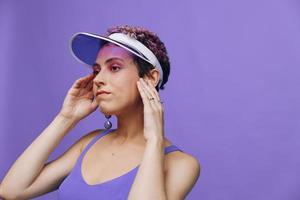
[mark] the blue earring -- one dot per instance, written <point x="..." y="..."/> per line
<point x="107" y="124"/>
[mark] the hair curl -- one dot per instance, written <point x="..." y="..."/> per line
<point x="151" y="41"/>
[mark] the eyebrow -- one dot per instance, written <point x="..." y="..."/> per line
<point x="107" y="61"/>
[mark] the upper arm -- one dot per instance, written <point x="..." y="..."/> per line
<point x="54" y="172"/>
<point x="181" y="176"/>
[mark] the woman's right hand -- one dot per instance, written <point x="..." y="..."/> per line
<point x="80" y="101"/>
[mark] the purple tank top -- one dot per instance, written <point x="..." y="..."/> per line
<point x="74" y="186"/>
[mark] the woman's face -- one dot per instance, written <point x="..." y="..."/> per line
<point x="117" y="74"/>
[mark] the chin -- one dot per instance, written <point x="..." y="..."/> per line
<point x="109" y="109"/>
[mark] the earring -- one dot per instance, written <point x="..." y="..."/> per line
<point x="107" y="124"/>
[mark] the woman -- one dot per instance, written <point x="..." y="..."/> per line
<point x="134" y="161"/>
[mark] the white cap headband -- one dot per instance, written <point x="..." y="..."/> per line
<point x="137" y="45"/>
<point x="85" y="46"/>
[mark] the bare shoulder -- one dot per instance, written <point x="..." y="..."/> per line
<point x="178" y="159"/>
<point x="182" y="171"/>
<point x="89" y="136"/>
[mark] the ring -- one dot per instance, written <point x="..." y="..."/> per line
<point x="154" y="98"/>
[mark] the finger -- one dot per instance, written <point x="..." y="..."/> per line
<point x="143" y="95"/>
<point x="156" y="94"/>
<point x="77" y="83"/>
<point x="87" y="80"/>
<point x="153" y="90"/>
<point x="90" y="95"/>
<point x="149" y="96"/>
<point x="89" y="85"/>
<point x="150" y="88"/>
<point x="80" y="82"/>
<point x="89" y="91"/>
<point x="145" y="87"/>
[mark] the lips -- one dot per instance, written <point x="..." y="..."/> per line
<point x="102" y="92"/>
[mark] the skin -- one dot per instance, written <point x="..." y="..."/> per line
<point x="120" y="77"/>
<point x="140" y="122"/>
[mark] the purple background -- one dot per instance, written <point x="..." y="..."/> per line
<point x="232" y="99"/>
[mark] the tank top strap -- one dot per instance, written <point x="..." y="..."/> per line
<point x="167" y="150"/>
<point x="171" y="148"/>
<point x="95" y="139"/>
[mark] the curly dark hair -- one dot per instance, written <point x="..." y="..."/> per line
<point x="151" y="41"/>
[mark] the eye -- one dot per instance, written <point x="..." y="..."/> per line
<point x="95" y="72"/>
<point x="115" y="67"/>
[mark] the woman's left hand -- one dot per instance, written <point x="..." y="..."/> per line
<point x="153" y="111"/>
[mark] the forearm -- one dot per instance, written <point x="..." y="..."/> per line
<point x="149" y="181"/>
<point x="29" y="164"/>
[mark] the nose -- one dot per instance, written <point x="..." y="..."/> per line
<point x="99" y="79"/>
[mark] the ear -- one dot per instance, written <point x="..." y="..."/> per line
<point x="153" y="77"/>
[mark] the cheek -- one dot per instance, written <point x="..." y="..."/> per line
<point x="128" y="93"/>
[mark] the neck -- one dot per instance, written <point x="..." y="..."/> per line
<point x="130" y="127"/>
